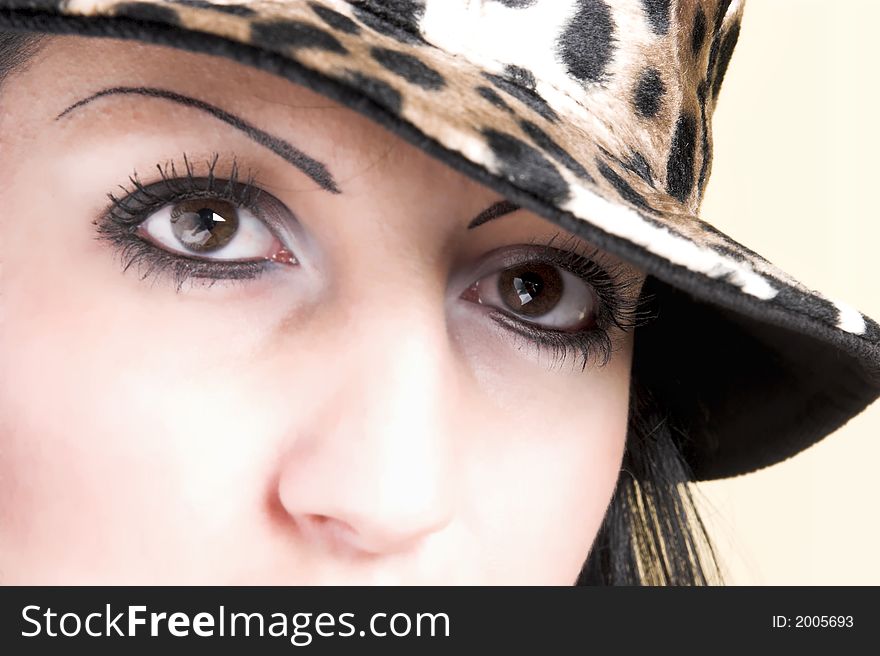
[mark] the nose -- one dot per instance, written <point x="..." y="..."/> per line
<point x="371" y="468"/>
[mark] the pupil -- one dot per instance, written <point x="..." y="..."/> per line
<point x="531" y="289"/>
<point x="527" y="287"/>
<point x="204" y="225"/>
<point x="207" y="217"/>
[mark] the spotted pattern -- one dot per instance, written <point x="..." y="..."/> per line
<point x="649" y="92"/>
<point x="518" y="4"/>
<point x="516" y="83"/>
<point x="295" y="34"/>
<point x="596" y="113"/>
<point x="409" y="67"/>
<point x="598" y="116"/>
<point x="698" y="33"/>
<point x="728" y="43"/>
<point x="147" y="11"/>
<point x="658" y="12"/>
<point x="586" y="43"/>
<point x="526" y="165"/>
<point x="335" y="19"/>
<point x="557" y="152"/>
<point x="640" y="166"/>
<point x="622" y="187"/>
<point x="682" y="155"/>
<point x="492" y="96"/>
<point x="234" y="9"/>
<point x="398" y="19"/>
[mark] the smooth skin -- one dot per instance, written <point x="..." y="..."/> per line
<point x="350" y="419"/>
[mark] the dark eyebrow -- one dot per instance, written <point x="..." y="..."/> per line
<point x="308" y="165"/>
<point x="499" y="209"/>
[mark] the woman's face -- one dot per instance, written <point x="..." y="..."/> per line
<point x="332" y="381"/>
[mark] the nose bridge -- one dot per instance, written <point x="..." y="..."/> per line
<point x="396" y="387"/>
<point x="382" y="443"/>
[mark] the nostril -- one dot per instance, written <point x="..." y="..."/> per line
<point x="320" y="520"/>
<point x="328" y="532"/>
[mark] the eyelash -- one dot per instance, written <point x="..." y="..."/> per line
<point x="120" y="220"/>
<point x="618" y="307"/>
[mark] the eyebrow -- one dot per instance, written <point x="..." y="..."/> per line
<point x="499" y="209"/>
<point x="314" y="169"/>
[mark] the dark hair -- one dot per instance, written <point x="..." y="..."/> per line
<point x="16" y="48"/>
<point x="651" y="533"/>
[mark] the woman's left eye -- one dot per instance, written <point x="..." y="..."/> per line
<point x="211" y="229"/>
<point x="539" y="293"/>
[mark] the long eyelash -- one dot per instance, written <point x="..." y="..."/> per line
<point x="121" y="218"/>
<point x="182" y="188"/>
<point x="619" y="306"/>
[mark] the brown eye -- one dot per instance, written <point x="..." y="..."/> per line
<point x="531" y="289"/>
<point x="541" y="293"/>
<point x="204" y="225"/>
<point x="212" y="229"/>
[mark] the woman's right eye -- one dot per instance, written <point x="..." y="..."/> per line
<point x="559" y="298"/>
<point x="539" y="293"/>
<point x="211" y="229"/>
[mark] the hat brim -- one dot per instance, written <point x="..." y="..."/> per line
<point x="753" y="365"/>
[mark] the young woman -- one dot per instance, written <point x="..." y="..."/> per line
<point x="277" y="310"/>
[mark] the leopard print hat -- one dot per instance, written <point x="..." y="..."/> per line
<point x="596" y="115"/>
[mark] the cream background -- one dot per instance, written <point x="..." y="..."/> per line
<point x="797" y="155"/>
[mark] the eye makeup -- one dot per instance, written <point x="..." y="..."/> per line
<point x="612" y="306"/>
<point x="617" y="308"/>
<point x="120" y="222"/>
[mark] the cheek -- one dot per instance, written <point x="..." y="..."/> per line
<point x="553" y="442"/>
<point x="551" y="483"/>
<point x="114" y="429"/>
<point x="108" y="439"/>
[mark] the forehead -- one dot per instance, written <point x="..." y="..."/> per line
<point x="70" y="68"/>
<point x="90" y="60"/>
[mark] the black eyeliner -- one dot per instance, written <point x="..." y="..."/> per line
<point x="308" y="165"/>
<point x="618" y="306"/>
<point x="119" y="222"/>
